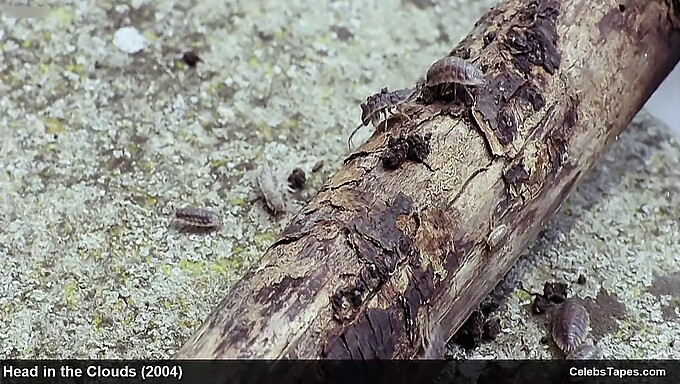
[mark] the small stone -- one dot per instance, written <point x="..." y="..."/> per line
<point x="129" y="40"/>
<point x="297" y="179"/>
<point x="581" y="279"/>
<point x="191" y="58"/>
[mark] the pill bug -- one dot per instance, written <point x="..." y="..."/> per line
<point x="587" y="351"/>
<point x="270" y="190"/>
<point x="379" y="106"/>
<point x="570" y="326"/>
<point x="192" y="218"/>
<point x="453" y="70"/>
<point x="496" y="236"/>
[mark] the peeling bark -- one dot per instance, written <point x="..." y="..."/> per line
<point x="423" y="220"/>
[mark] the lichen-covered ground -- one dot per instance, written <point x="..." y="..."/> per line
<point x="98" y="147"/>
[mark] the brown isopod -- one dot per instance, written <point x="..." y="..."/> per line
<point x="570" y="326"/>
<point x="587" y="351"/>
<point x="379" y="106"/>
<point x="453" y="70"/>
<point x="197" y="219"/>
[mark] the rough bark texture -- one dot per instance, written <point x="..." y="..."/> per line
<point x="423" y="221"/>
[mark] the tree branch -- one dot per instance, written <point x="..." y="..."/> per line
<point x="383" y="259"/>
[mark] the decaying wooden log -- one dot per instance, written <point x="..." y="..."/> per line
<point x="423" y="220"/>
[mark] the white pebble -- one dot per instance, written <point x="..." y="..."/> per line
<point x="129" y="40"/>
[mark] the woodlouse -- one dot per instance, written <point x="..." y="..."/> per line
<point x="496" y="236"/>
<point x="453" y="70"/>
<point x="197" y="219"/>
<point x="570" y="326"/>
<point x="587" y="351"/>
<point x="379" y="106"/>
<point x="270" y="190"/>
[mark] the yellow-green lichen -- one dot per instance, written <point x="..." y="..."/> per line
<point x="63" y="15"/>
<point x="97" y="323"/>
<point x="71" y="295"/>
<point x="192" y="267"/>
<point x="54" y="126"/>
<point x="166" y="269"/>
<point x="239" y="201"/>
<point x="264" y="239"/>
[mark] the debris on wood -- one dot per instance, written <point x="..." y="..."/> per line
<point x="413" y="147"/>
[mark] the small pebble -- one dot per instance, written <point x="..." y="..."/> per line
<point x="129" y="40"/>
<point x="191" y="58"/>
<point x="581" y="279"/>
<point x="297" y="179"/>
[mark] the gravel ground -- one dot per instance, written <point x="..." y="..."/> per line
<point x="105" y="134"/>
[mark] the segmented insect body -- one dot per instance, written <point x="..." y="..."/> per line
<point x="271" y="190"/>
<point x="570" y="326"/>
<point x="379" y="106"/>
<point x="587" y="351"/>
<point x="496" y="236"/>
<point x="197" y="218"/>
<point x="453" y="70"/>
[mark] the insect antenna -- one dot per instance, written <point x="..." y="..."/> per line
<point x="349" y="141"/>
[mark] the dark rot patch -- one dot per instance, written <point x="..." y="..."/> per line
<point x="533" y="95"/>
<point x="297" y="179"/>
<point x="516" y="176"/>
<point x="534" y="42"/>
<point x="507" y="128"/>
<point x="414" y="148"/>
<point x="561" y="136"/>
<point x="417" y="294"/>
<point x="346" y="302"/>
<point x="489" y="37"/>
<point x="378" y="241"/>
<point x="372" y="337"/>
<point x="492" y="102"/>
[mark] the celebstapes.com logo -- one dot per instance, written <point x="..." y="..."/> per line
<point x="22" y="9"/>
